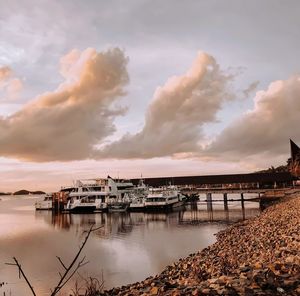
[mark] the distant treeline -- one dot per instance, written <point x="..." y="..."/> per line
<point x="279" y="169"/>
<point x="22" y="192"/>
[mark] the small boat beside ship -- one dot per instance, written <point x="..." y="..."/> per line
<point x="118" y="206"/>
<point x="137" y="204"/>
<point x="45" y="204"/>
<point x="138" y="197"/>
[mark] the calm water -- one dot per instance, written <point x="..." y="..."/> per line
<point x="129" y="248"/>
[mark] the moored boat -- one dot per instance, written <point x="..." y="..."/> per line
<point x="164" y="198"/>
<point x="137" y="204"/>
<point x="98" y="195"/>
<point x="138" y="197"/>
<point x="118" y="206"/>
<point x="45" y="204"/>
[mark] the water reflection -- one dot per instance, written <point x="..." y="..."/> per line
<point x="129" y="247"/>
<point x="123" y="223"/>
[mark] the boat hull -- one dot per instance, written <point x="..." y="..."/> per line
<point x="43" y="206"/>
<point x="118" y="207"/>
<point x="82" y="209"/>
<point x="136" y="208"/>
<point x="163" y="207"/>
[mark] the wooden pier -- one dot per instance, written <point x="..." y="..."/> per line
<point x="264" y="196"/>
<point x="59" y="200"/>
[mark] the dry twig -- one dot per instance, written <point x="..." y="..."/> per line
<point x="21" y="272"/>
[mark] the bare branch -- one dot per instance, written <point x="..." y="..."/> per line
<point x="61" y="262"/>
<point x="66" y="277"/>
<point x="80" y="264"/>
<point x="21" y="272"/>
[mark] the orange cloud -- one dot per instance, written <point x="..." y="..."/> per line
<point x="177" y="113"/>
<point x="10" y="86"/>
<point x="264" y="132"/>
<point x="65" y="124"/>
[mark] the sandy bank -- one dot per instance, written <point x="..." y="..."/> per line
<point x="260" y="256"/>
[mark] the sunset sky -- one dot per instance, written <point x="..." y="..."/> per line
<point x="158" y="88"/>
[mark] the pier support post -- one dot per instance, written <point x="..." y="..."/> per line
<point x="225" y="202"/>
<point x="209" y="201"/>
<point x="242" y="201"/>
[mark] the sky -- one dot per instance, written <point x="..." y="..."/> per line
<point x="140" y="87"/>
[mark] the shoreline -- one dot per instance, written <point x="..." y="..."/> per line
<point x="257" y="256"/>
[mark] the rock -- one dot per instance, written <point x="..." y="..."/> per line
<point x="154" y="291"/>
<point x="245" y="269"/>
<point x="280" y="290"/>
<point x="249" y="292"/>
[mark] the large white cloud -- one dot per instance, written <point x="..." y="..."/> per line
<point x="263" y="132"/>
<point x="66" y="124"/>
<point x="177" y="113"/>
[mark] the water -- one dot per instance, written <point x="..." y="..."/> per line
<point x="129" y="247"/>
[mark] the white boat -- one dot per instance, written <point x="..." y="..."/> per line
<point x="96" y="194"/>
<point x="45" y="204"/>
<point x="138" y="197"/>
<point x="118" y="206"/>
<point x="137" y="204"/>
<point x="164" y="198"/>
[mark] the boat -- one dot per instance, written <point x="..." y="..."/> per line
<point x="87" y="196"/>
<point x="118" y="206"/>
<point x="97" y="195"/>
<point x="137" y="204"/>
<point x="164" y="198"/>
<point x="138" y="197"/>
<point x="45" y="204"/>
<point x="119" y="202"/>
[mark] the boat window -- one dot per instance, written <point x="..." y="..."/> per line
<point x="88" y="199"/>
<point x="156" y="199"/>
<point x="124" y="187"/>
<point x="67" y="189"/>
<point x="98" y="188"/>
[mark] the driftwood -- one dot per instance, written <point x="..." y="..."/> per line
<point x="69" y="271"/>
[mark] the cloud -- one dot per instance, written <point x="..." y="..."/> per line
<point x="177" y="113"/>
<point x="5" y="72"/>
<point x="10" y="85"/>
<point x="67" y="123"/>
<point x="251" y="88"/>
<point x="263" y="132"/>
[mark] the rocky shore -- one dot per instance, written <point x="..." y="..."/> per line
<point x="260" y="256"/>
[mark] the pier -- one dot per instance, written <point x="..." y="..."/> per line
<point x="266" y="186"/>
